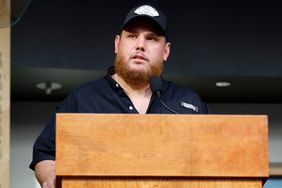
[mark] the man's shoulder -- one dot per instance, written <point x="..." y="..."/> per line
<point x="81" y="96"/>
<point x="173" y="87"/>
<point x="183" y="98"/>
<point x="90" y="89"/>
<point x="99" y="83"/>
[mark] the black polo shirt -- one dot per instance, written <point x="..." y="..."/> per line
<point x="106" y="96"/>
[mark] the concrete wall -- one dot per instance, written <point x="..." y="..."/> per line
<point x="5" y="36"/>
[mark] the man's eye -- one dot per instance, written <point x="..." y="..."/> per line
<point x="152" y="38"/>
<point x="131" y="36"/>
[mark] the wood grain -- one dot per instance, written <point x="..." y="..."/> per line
<point x="162" y="145"/>
<point x="159" y="183"/>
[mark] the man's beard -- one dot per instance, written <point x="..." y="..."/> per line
<point x="137" y="79"/>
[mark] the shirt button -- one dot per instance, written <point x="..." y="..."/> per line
<point x="130" y="107"/>
<point x="117" y="85"/>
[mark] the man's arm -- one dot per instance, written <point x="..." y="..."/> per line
<point x="45" y="173"/>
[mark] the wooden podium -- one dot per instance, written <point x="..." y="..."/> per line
<point x="161" y="151"/>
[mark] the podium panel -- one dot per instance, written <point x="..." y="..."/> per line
<point x="100" y="150"/>
<point x="159" y="183"/>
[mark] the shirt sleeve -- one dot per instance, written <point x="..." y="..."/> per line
<point x="44" y="146"/>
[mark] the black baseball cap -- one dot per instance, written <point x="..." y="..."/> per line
<point x="150" y="12"/>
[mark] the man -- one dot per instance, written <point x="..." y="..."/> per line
<point x="141" y="50"/>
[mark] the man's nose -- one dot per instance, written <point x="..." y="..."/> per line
<point x="140" y="43"/>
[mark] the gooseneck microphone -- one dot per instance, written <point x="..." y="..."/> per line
<point x="156" y="84"/>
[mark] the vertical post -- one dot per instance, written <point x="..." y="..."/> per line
<point x="4" y="92"/>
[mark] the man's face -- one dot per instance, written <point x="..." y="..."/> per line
<point x="140" y="53"/>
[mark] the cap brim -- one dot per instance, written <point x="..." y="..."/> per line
<point x="134" y="18"/>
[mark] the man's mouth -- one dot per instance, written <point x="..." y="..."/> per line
<point x="139" y="56"/>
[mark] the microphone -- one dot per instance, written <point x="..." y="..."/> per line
<point x="156" y="85"/>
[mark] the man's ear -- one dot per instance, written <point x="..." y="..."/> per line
<point x="166" y="51"/>
<point x="117" y="40"/>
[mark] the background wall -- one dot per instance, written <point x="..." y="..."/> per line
<point x="28" y="119"/>
<point x="70" y="42"/>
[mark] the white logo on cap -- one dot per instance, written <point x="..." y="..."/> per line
<point x="147" y="10"/>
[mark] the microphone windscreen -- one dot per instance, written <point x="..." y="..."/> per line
<point x="156" y="84"/>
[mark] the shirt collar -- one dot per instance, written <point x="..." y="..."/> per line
<point x="114" y="85"/>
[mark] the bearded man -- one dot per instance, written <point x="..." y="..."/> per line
<point x="141" y="50"/>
